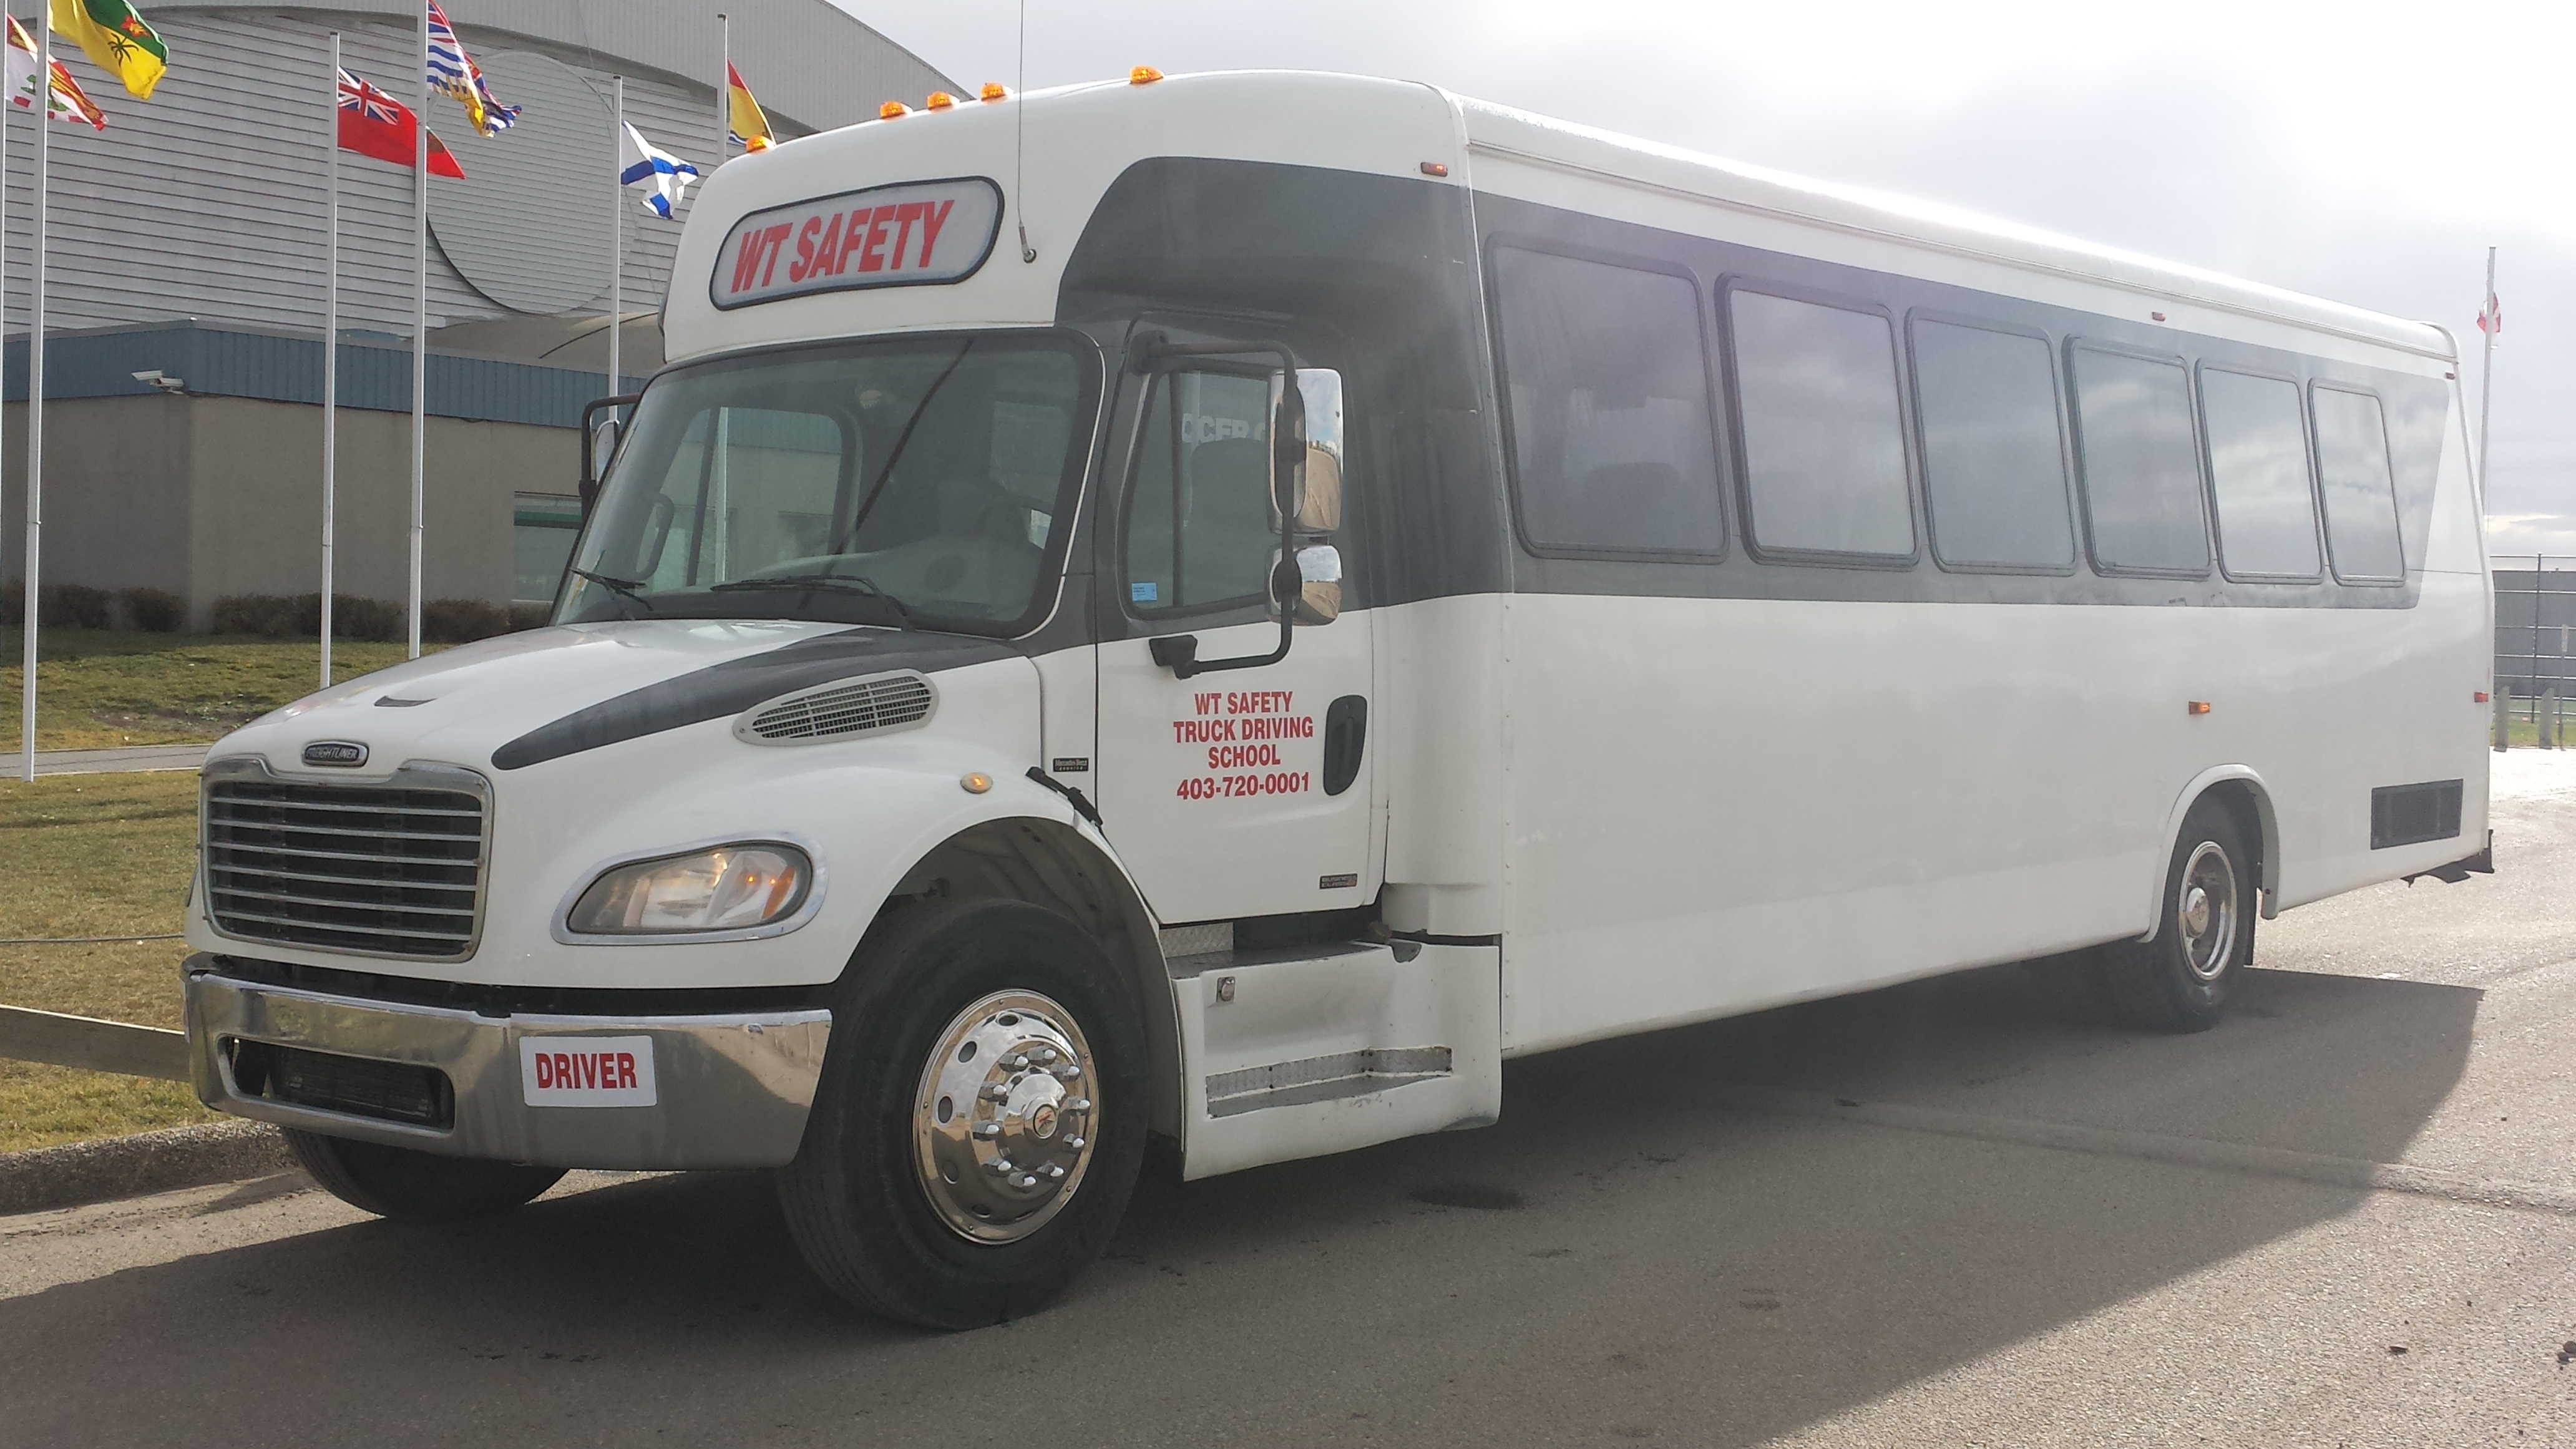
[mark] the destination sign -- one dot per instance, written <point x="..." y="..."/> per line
<point x="913" y="234"/>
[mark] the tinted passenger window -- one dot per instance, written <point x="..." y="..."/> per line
<point x="1608" y="403"/>
<point x="1199" y="529"/>
<point x="2361" y="503"/>
<point x="2258" y="469"/>
<point x="2140" y="469"/>
<point x="1994" y="464"/>
<point x="1824" y="451"/>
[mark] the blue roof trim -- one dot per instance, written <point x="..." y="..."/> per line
<point x="218" y="362"/>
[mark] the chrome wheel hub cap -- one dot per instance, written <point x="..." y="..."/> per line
<point x="1002" y="1126"/>
<point x="2206" y="911"/>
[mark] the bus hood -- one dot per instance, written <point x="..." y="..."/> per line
<point x="524" y="699"/>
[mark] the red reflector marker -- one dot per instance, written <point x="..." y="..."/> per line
<point x="1435" y="168"/>
<point x="2480" y="696"/>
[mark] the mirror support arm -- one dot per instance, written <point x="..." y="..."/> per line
<point x="589" y="480"/>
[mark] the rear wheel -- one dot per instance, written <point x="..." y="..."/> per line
<point x="980" y="1121"/>
<point x="2182" y="980"/>
<point x="397" y="1182"/>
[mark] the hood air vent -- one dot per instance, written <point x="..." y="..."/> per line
<point x="838" y="711"/>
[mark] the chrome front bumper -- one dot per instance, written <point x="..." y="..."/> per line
<point x="732" y="1091"/>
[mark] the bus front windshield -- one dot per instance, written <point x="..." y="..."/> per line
<point x="907" y="481"/>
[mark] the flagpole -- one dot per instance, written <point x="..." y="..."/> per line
<point x="2486" y="367"/>
<point x="330" y="344"/>
<point x="419" y="322"/>
<point x="616" y="238"/>
<point x="36" y="404"/>
<point x="724" y="87"/>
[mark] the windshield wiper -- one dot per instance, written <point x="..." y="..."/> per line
<point x="630" y="590"/>
<point x="846" y="583"/>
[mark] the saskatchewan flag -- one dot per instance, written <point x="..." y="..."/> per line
<point x="115" y="37"/>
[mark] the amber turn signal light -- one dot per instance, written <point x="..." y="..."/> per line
<point x="892" y="109"/>
<point x="976" y="783"/>
<point x="2197" y="706"/>
<point x="1435" y="168"/>
<point x="1143" y="75"/>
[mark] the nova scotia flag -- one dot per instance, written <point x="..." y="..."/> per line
<point x="663" y="175"/>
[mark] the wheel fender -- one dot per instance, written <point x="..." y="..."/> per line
<point x="2269" y="846"/>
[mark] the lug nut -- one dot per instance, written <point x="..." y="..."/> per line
<point x="1077" y="1104"/>
<point x="1067" y="1072"/>
<point x="988" y="1130"/>
<point x="1073" y="1144"/>
<point x="1000" y="1167"/>
<point x="995" y="1092"/>
<point x="1055" y="1171"/>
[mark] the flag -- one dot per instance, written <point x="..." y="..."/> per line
<point x="67" y="102"/>
<point x="376" y="125"/>
<point x="2491" y="317"/>
<point x="453" y="73"/>
<point x="116" y="38"/>
<point x="743" y="120"/>
<point x="663" y="175"/>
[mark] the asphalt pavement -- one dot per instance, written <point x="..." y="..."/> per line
<point x="1961" y="1212"/>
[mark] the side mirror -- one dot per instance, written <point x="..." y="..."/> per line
<point x="599" y="439"/>
<point x="1319" y="584"/>
<point x="1319" y="505"/>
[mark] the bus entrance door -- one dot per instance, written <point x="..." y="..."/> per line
<point x="1238" y="792"/>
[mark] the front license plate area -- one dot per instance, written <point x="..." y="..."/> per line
<point x="586" y="1071"/>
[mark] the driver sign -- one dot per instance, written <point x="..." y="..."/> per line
<point x="917" y="233"/>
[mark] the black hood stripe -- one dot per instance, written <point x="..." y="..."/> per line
<point x="737" y="684"/>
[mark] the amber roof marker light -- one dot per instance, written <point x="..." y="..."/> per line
<point x="1143" y="75"/>
<point x="939" y="101"/>
<point x="993" y="91"/>
<point x="893" y="109"/>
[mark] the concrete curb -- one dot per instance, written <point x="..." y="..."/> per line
<point x="147" y="1162"/>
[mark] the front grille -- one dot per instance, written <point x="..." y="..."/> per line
<point x="355" y="1086"/>
<point x="387" y="870"/>
<point x="842" y="709"/>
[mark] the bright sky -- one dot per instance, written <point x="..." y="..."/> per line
<point x="2367" y="152"/>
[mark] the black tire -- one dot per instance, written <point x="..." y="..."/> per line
<point x="2183" y="980"/>
<point x="397" y="1182"/>
<point x="855" y="1199"/>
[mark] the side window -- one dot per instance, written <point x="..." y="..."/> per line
<point x="2361" y="499"/>
<point x="2258" y="473"/>
<point x="2139" y="463"/>
<point x="1606" y="378"/>
<point x="1199" y="530"/>
<point x="1994" y="457"/>
<point x="1824" y="445"/>
<point x="543" y="527"/>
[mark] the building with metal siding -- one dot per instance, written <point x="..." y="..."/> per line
<point x="188" y="238"/>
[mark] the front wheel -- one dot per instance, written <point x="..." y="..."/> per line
<point x="397" y="1182"/>
<point x="2182" y="980"/>
<point x="980" y="1120"/>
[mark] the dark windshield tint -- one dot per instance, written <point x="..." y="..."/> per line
<point x="919" y="479"/>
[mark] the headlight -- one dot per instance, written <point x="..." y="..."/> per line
<point x="729" y="888"/>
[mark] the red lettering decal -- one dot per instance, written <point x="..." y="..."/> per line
<point x="746" y="259"/>
<point x="626" y="1069"/>
<point x="563" y="1069"/>
<point x="545" y="1071"/>
<point x="769" y="241"/>
<point x="932" y="219"/>
<point x="872" y="255"/>
<point x="804" y="262"/>
<point x="904" y="216"/>
<point x="827" y="252"/>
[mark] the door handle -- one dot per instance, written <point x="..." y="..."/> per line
<point x="1345" y="742"/>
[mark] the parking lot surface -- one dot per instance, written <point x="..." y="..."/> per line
<point x="1962" y="1212"/>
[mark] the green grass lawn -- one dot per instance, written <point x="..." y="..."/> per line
<point x="100" y="688"/>
<point x="94" y="855"/>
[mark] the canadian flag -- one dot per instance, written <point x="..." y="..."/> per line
<point x="2491" y="317"/>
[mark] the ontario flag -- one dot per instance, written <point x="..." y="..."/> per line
<point x="377" y="126"/>
<point x="68" y="102"/>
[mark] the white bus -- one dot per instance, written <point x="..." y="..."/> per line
<point x="1222" y="609"/>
